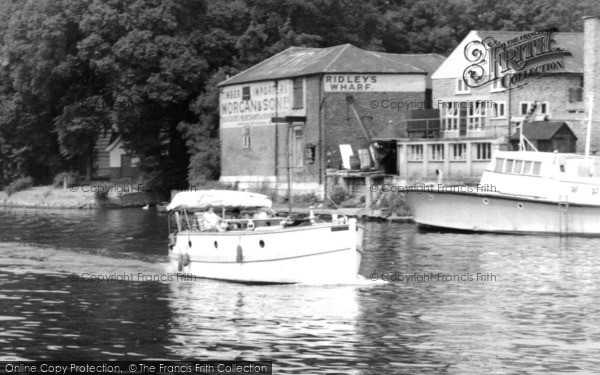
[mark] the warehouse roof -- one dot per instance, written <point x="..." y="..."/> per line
<point x="342" y="59"/>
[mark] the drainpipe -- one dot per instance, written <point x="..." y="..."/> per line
<point x="277" y="137"/>
<point x="322" y="179"/>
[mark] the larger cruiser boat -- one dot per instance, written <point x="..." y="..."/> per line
<point x="519" y="192"/>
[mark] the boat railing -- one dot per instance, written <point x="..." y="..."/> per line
<point x="245" y="224"/>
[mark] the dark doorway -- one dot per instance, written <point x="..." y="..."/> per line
<point x="388" y="157"/>
<point x="126" y="171"/>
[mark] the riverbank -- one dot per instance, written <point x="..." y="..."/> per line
<point x="387" y="207"/>
<point x="51" y="197"/>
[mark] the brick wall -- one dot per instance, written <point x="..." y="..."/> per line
<point x="257" y="160"/>
<point x="264" y="165"/>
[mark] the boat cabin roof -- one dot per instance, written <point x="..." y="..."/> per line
<point x="228" y="199"/>
<point x="548" y="164"/>
<point x="541" y="156"/>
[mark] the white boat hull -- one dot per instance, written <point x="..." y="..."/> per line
<point x="502" y="213"/>
<point x="314" y="253"/>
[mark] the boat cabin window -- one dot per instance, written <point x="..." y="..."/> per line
<point x="509" y="166"/>
<point x="499" y="165"/>
<point x="526" y="167"/>
<point x="518" y="167"/>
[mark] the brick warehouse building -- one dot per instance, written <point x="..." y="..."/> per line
<point x="470" y="134"/>
<point x="309" y="92"/>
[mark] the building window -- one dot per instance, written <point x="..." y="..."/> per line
<point x="499" y="109"/>
<point x="246" y="93"/>
<point x="297" y="148"/>
<point x="542" y="109"/>
<point x="497" y="85"/>
<point x="461" y="87"/>
<point x="575" y="95"/>
<point x="476" y="115"/>
<point x="483" y="151"/>
<point x="246" y="137"/>
<point x="415" y="152"/>
<point x="298" y="93"/>
<point x="436" y="152"/>
<point x="450" y="116"/>
<point x="524" y="108"/>
<point x="459" y="151"/>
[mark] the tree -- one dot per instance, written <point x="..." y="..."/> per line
<point x="78" y="128"/>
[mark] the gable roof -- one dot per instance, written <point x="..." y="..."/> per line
<point x="345" y="58"/>
<point x="115" y="142"/>
<point x="540" y="130"/>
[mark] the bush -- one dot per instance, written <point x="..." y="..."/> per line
<point x="19" y="184"/>
<point x="338" y="194"/>
<point x="70" y="176"/>
<point x="394" y="203"/>
<point x="101" y="192"/>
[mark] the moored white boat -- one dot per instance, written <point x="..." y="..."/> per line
<point x="262" y="250"/>
<point x="519" y="192"/>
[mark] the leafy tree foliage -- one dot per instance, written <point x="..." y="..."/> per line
<point x="71" y="70"/>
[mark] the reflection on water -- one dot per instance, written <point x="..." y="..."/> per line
<point x="539" y="313"/>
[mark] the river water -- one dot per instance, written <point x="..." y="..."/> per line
<point x="450" y="303"/>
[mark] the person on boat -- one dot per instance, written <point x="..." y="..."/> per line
<point x="235" y="213"/>
<point x="211" y="221"/>
<point x="262" y="214"/>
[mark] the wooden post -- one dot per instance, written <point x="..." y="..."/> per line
<point x="368" y="193"/>
<point x="289" y="168"/>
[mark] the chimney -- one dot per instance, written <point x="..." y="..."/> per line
<point x="591" y="63"/>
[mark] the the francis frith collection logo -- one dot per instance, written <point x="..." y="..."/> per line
<point x="514" y="61"/>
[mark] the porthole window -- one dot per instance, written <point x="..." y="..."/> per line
<point x="486" y="201"/>
<point x="190" y="243"/>
<point x="520" y="206"/>
<point x="261" y="243"/>
<point x="216" y="245"/>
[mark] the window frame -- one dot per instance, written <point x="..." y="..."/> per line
<point x="415" y="153"/>
<point x="461" y="87"/>
<point x="298" y="93"/>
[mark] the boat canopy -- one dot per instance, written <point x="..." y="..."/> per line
<point x="201" y="200"/>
